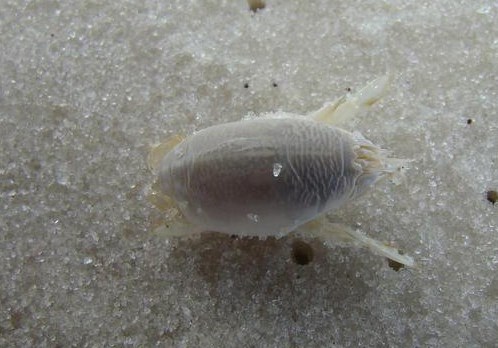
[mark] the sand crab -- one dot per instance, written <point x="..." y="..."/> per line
<point x="272" y="175"/>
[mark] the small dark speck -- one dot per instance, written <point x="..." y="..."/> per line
<point x="52" y="35"/>
<point x="348" y="89"/>
<point x="35" y="165"/>
<point x="470" y="121"/>
<point x="275" y="84"/>
<point x="246" y="85"/>
<point x="492" y="196"/>
<point x="395" y="265"/>
<point x="255" y="5"/>
<point x="302" y="253"/>
<point x="16" y="318"/>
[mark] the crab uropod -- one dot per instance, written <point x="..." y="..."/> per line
<point x="272" y="175"/>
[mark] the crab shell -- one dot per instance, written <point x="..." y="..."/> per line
<point x="266" y="176"/>
<point x="269" y="176"/>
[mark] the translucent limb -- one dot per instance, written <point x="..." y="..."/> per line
<point x="347" y="107"/>
<point x="174" y="223"/>
<point x="340" y="233"/>
<point x="375" y="164"/>
<point x="157" y="152"/>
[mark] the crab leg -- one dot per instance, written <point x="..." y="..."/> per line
<point x="347" y="107"/>
<point x="337" y="233"/>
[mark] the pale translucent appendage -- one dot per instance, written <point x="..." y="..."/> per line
<point x="340" y="233"/>
<point x="375" y="164"/>
<point x="347" y="107"/>
<point x="174" y="224"/>
<point x="157" y="152"/>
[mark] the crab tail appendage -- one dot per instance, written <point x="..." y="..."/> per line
<point x="376" y="164"/>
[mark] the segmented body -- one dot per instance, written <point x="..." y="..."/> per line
<point x="262" y="177"/>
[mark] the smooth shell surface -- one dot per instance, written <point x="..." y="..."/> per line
<point x="262" y="177"/>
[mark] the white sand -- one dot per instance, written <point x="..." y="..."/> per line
<point x="86" y="88"/>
